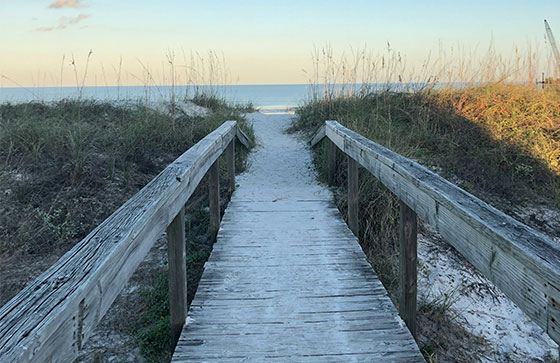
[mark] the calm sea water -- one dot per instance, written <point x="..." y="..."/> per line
<point x="266" y="96"/>
<point x="262" y="96"/>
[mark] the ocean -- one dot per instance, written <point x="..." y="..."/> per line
<point x="271" y="97"/>
<point x="261" y="96"/>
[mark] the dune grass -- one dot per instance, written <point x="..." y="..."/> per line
<point x="63" y="171"/>
<point x="468" y="121"/>
<point x="66" y="166"/>
<point x="505" y="153"/>
<point x="500" y="142"/>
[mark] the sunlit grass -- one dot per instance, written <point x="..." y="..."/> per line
<point x="482" y="123"/>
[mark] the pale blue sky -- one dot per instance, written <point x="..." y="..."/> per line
<point x="262" y="41"/>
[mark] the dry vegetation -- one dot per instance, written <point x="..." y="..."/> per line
<point x="68" y="165"/>
<point x="469" y="122"/>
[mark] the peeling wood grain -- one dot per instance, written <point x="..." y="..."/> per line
<point x="230" y="161"/>
<point x="331" y="159"/>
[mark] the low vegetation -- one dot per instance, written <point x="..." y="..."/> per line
<point x="66" y="166"/>
<point x="498" y="141"/>
<point x="216" y="103"/>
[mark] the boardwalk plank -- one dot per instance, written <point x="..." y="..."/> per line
<point x="287" y="280"/>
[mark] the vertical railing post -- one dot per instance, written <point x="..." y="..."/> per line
<point x="214" y="199"/>
<point x="407" y="272"/>
<point x="230" y="156"/>
<point x="331" y="156"/>
<point x="353" y="195"/>
<point x="177" y="274"/>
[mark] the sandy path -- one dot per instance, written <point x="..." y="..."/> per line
<point x="280" y="168"/>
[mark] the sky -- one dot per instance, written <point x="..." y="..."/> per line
<point x="48" y="42"/>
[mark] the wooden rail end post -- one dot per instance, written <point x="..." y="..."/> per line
<point x="407" y="272"/>
<point x="331" y="156"/>
<point x="177" y="275"/>
<point x="214" y="197"/>
<point x="353" y="195"/>
<point x="230" y="155"/>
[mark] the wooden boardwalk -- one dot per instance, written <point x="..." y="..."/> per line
<point x="287" y="280"/>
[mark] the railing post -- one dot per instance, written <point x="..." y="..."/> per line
<point x="407" y="270"/>
<point x="353" y="195"/>
<point x="230" y="156"/>
<point x="331" y="155"/>
<point x="177" y="275"/>
<point x="214" y="198"/>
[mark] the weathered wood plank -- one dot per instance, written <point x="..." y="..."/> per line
<point x="408" y="247"/>
<point x="214" y="199"/>
<point x="318" y="136"/>
<point x="353" y="196"/>
<point x="276" y="296"/>
<point x="176" y="246"/>
<point x="244" y="139"/>
<point x="230" y="160"/>
<point x="50" y="319"/>
<point x="287" y="280"/>
<point x="523" y="263"/>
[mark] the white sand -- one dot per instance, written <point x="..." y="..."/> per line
<point x="484" y="310"/>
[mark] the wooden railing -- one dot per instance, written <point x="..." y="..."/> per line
<point x="51" y="318"/>
<point x="520" y="261"/>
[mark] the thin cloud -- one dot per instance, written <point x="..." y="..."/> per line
<point x="66" y="4"/>
<point x="74" y="20"/>
<point x="63" y="23"/>
<point x="50" y="28"/>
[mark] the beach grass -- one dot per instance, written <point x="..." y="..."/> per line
<point x="471" y="123"/>
<point x="66" y="166"/>
<point x="56" y="159"/>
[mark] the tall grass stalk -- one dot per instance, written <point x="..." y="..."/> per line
<point x="480" y="121"/>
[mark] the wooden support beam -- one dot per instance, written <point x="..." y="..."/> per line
<point x="177" y="275"/>
<point x="353" y="196"/>
<point x="318" y="136"/>
<point x="230" y="156"/>
<point x="243" y="139"/>
<point x="214" y="199"/>
<point x="407" y="272"/>
<point x="331" y="155"/>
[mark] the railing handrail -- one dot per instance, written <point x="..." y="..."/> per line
<point x="522" y="262"/>
<point x="51" y="318"/>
